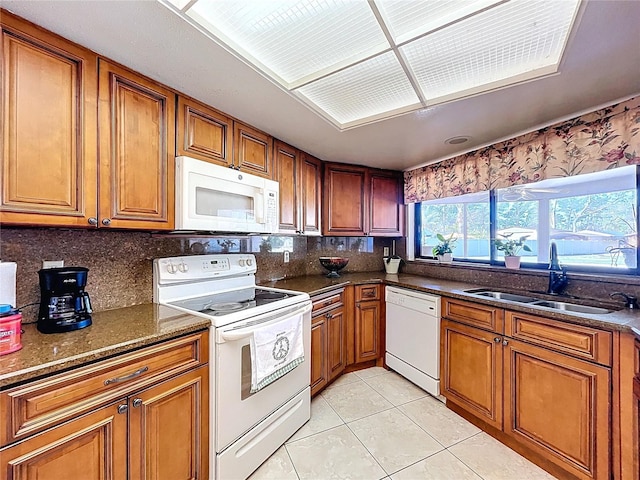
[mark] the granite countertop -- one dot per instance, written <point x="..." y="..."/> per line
<point x="624" y="320"/>
<point x="112" y="332"/>
<point x="126" y="329"/>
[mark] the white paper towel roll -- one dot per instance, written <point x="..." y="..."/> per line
<point x="8" y="283"/>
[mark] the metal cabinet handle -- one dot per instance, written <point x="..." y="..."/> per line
<point x="369" y="293"/>
<point x="137" y="402"/>
<point x="106" y="222"/>
<point x="505" y="342"/>
<point x="497" y="339"/>
<point x="135" y="374"/>
<point x="123" y="408"/>
<point x="92" y="221"/>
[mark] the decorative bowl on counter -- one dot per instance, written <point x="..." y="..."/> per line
<point x="334" y="265"/>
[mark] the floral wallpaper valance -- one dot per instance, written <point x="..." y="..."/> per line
<point x="601" y="140"/>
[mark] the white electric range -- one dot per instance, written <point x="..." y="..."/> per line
<point x="246" y="428"/>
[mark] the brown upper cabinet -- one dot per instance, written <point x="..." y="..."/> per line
<point x="252" y="150"/>
<point x="49" y="146"/>
<point x="58" y="97"/>
<point x="137" y="138"/>
<point x="386" y="215"/>
<point x="299" y="176"/>
<point x="362" y="201"/>
<point x="204" y="133"/>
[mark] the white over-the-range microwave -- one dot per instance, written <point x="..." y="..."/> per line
<point x="219" y="199"/>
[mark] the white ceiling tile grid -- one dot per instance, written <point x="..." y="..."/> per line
<point x="337" y="57"/>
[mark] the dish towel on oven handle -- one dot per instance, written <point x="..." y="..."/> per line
<point x="276" y="350"/>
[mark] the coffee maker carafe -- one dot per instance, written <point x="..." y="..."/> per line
<point x="64" y="305"/>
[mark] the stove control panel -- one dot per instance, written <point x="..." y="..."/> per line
<point x="196" y="267"/>
<point x="217" y="265"/>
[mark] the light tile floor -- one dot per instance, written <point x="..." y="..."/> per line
<point x="374" y="424"/>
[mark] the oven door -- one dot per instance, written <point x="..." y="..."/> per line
<point x="237" y="409"/>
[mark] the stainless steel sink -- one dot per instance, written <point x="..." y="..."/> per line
<point x="571" y="307"/>
<point x="508" y="296"/>
<point x="539" y="302"/>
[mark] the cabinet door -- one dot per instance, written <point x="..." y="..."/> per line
<point x="386" y="218"/>
<point x="319" y="377"/>
<point x="367" y="331"/>
<point x="168" y="429"/>
<point x="345" y="200"/>
<point x="49" y="145"/>
<point x="558" y="406"/>
<point x="203" y="133"/>
<point x="310" y="202"/>
<point x="286" y="168"/>
<point x="137" y="145"/>
<point x="636" y="420"/>
<point x="336" y="355"/>
<point x="252" y="150"/>
<point x="471" y="370"/>
<point x="91" y="447"/>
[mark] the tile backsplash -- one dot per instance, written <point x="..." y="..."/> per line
<point x="120" y="262"/>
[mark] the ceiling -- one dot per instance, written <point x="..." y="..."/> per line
<point x="601" y="65"/>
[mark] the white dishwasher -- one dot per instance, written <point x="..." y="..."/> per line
<point x="413" y="336"/>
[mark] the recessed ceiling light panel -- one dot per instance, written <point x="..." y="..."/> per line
<point x="358" y="61"/>
<point x="363" y="91"/>
<point x="407" y="20"/>
<point x="492" y="48"/>
<point x="294" y="39"/>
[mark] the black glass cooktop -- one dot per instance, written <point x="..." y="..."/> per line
<point x="224" y="303"/>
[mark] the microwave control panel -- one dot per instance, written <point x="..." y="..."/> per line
<point x="272" y="208"/>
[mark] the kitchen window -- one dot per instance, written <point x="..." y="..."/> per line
<point x="465" y="216"/>
<point x="591" y="218"/>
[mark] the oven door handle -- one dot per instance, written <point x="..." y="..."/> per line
<point x="234" y="335"/>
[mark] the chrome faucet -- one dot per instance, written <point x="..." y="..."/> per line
<point x="557" y="275"/>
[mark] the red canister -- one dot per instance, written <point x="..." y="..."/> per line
<point x="10" y="328"/>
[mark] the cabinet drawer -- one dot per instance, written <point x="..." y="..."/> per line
<point x="475" y="314"/>
<point x="577" y="340"/>
<point x="328" y="300"/>
<point x="368" y="292"/>
<point x="636" y="359"/>
<point x="41" y="404"/>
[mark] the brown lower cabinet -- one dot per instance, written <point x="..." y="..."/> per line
<point x="636" y="406"/>
<point x="558" y="406"/>
<point x="328" y="353"/>
<point x="347" y="332"/>
<point x="151" y="425"/>
<point x="543" y="384"/>
<point x="635" y="421"/>
<point x="472" y="370"/>
<point x="368" y="323"/>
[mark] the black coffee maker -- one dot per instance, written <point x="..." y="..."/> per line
<point x="64" y="305"/>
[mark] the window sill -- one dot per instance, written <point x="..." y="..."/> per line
<point x="532" y="272"/>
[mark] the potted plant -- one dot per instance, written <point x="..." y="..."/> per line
<point x="444" y="249"/>
<point x="265" y="245"/>
<point x="511" y="248"/>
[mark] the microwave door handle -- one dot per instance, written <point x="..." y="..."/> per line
<point x="234" y="335"/>
<point x="259" y="205"/>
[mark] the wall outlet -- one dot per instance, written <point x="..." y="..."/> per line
<point x="52" y="264"/>
<point x="385" y="251"/>
<point x="286" y="256"/>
